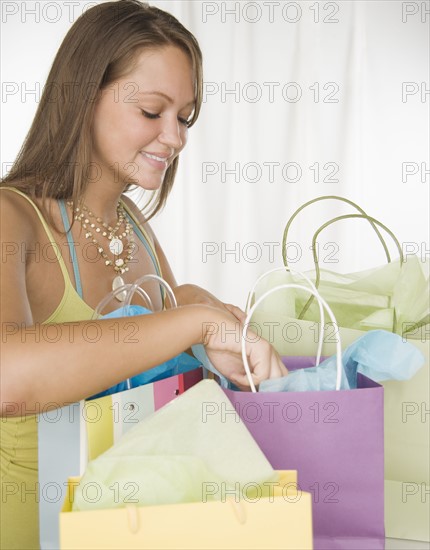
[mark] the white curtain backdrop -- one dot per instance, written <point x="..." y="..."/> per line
<point x="302" y="99"/>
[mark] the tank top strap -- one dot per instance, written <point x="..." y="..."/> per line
<point x="144" y="238"/>
<point x="48" y="232"/>
<point x="72" y="248"/>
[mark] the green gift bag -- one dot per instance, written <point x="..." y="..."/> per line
<point x="390" y="297"/>
<point x="393" y="297"/>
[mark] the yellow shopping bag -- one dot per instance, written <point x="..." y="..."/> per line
<point x="281" y="520"/>
<point x="70" y="436"/>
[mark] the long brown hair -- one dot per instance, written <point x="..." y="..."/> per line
<point x="99" y="48"/>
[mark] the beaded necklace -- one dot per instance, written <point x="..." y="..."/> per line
<point x="115" y="237"/>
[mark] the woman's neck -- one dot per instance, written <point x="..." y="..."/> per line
<point x="103" y="202"/>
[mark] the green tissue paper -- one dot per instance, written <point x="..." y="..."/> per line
<point x="194" y="449"/>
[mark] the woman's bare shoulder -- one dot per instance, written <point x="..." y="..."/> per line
<point x="18" y="216"/>
<point x="18" y="234"/>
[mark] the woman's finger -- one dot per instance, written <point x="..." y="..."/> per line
<point x="236" y="311"/>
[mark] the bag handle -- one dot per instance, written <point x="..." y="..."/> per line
<point x="119" y="290"/>
<point x="136" y="285"/>
<point x="135" y="288"/>
<point x="320" y="299"/>
<point x="311" y="284"/>
<point x="332" y="197"/>
<point x="315" y="254"/>
<point x="131" y="290"/>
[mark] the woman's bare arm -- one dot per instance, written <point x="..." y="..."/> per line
<point x="89" y="356"/>
<point x="63" y="363"/>
<point x="69" y="361"/>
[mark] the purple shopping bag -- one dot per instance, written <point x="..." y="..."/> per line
<point x="335" y="440"/>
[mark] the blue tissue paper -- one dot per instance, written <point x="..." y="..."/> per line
<point x="177" y="365"/>
<point x="378" y="354"/>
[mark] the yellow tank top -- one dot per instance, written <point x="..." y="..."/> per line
<point x="18" y="435"/>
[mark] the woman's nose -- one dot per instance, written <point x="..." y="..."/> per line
<point x="171" y="133"/>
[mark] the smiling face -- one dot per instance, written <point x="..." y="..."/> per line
<point x="140" y="121"/>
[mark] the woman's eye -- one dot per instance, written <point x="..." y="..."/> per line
<point x="153" y="116"/>
<point x="149" y="115"/>
<point x="184" y="121"/>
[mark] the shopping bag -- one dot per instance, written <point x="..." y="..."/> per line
<point x="198" y="479"/>
<point x="61" y="443"/>
<point x="406" y="406"/>
<point x="334" y="439"/>
<point x="391" y="297"/>
<point x="70" y="436"/>
<point x="176" y="365"/>
<point x="407" y="454"/>
<point x="283" y="521"/>
<point x="394" y="296"/>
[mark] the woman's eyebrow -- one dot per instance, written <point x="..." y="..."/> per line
<point x="166" y="97"/>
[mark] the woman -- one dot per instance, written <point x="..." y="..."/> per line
<point x="124" y="88"/>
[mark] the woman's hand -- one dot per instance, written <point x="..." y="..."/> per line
<point x="193" y="294"/>
<point x="222" y="339"/>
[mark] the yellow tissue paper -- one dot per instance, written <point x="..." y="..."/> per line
<point x="194" y="449"/>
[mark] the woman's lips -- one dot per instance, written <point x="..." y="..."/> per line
<point x="155" y="161"/>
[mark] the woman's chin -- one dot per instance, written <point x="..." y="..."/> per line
<point x="148" y="185"/>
